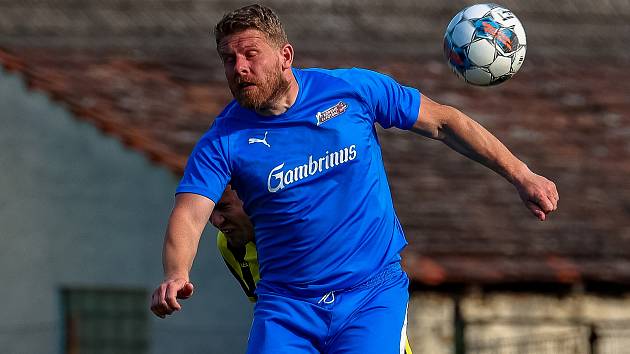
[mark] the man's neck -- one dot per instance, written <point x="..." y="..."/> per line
<point x="285" y="101"/>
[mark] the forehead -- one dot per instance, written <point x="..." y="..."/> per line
<point x="229" y="196"/>
<point x="243" y="39"/>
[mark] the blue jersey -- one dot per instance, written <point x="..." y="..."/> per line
<point x="312" y="179"/>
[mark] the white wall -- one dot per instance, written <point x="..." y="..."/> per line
<point x="500" y="322"/>
<point x="77" y="208"/>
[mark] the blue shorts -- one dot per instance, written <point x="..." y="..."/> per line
<point x="369" y="318"/>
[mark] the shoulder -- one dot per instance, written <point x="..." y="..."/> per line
<point x="335" y="82"/>
<point x="220" y="127"/>
<point x="349" y="75"/>
<point x="365" y="82"/>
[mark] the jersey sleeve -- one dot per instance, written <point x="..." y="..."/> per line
<point x="392" y="104"/>
<point x="208" y="170"/>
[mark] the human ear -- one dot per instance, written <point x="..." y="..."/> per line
<point x="287" y="56"/>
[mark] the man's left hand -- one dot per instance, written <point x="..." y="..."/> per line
<point x="539" y="194"/>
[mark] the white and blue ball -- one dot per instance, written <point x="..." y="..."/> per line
<point x="485" y="44"/>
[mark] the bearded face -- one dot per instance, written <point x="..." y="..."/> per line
<point x="253" y="69"/>
<point x="261" y="91"/>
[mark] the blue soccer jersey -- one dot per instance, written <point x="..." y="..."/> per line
<point x="312" y="179"/>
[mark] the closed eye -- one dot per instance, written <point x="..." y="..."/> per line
<point x="222" y="206"/>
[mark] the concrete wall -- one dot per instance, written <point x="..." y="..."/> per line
<point x="520" y="323"/>
<point x="430" y="323"/>
<point x="78" y="209"/>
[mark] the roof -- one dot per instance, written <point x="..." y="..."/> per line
<point x="568" y="120"/>
<point x="404" y="27"/>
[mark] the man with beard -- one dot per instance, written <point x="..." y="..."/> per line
<point x="300" y="146"/>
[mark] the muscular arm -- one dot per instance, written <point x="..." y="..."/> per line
<point x="185" y="225"/>
<point x="469" y="138"/>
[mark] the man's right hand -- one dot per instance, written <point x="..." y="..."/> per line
<point x="164" y="298"/>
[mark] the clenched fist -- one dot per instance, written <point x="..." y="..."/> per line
<point x="164" y="298"/>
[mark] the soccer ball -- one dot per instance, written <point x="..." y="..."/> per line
<point x="485" y="44"/>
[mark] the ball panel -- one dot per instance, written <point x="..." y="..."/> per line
<point x="506" y="40"/>
<point x="462" y="33"/>
<point x="455" y="56"/>
<point x="518" y="58"/>
<point x="476" y="11"/>
<point x="486" y="27"/>
<point x="478" y="76"/>
<point x="501" y="66"/>
<point x="481" y="52"/>
<point x="520" y="32"/>
<point x="453" y="22"/>
<point x="504" y="16"/>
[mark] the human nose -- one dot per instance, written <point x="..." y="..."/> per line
<point x="217" y="219"/>
<point x="241" y="66"/>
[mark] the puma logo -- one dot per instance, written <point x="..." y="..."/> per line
<point x="263" y="140"/>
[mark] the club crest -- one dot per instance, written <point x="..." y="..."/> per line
<point x="331" y="112"/>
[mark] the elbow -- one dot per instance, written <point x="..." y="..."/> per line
<point x="447" y="118"/>
<point x="436" y="120"/>
<point x="451" y="119"/>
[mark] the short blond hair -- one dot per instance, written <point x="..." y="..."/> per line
<point x="256" y="17"/>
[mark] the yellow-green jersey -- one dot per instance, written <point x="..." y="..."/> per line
<point x="242" y="263"/>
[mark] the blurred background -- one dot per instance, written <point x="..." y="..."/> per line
<point x="102" y="101"/>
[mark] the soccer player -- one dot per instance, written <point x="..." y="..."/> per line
<point x="300" y="146"/>
<point x="236" y="243"/>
